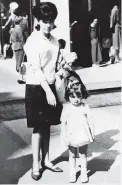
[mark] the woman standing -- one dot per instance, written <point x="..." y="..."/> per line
<point x="42" y="106"/>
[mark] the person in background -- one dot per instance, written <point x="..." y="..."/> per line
<point x="17" y="40"/>
<point x="6" y="36"/>
<point x="116" y="29"/>
<point x="13" y="6"/>
<point x="42" y="106"/>
<point x="24" y="25"/>
<point x="96" y="52"/>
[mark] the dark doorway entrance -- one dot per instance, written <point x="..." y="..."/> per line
<point x="80" y="36"/>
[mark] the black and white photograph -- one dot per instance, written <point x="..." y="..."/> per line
<point x="60" y="91"/>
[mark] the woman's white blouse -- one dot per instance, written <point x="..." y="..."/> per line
<point x="42" y="55"/>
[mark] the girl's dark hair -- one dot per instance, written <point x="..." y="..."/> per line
<point x="85" y="93"/>
<point x="46" y="11"/>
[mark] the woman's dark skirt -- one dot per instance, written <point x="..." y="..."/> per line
<point x="38" y="111"/>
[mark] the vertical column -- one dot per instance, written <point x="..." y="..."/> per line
<point x="32" y="3"/>
<point x="31" y="16"/>
<point x="121" y="20"/>
<point x="1" y="31"/>
<point x="120" y="55"/>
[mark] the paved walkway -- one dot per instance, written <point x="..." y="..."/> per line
<point x="103" y="155"/>
<point x="94" y="78"/>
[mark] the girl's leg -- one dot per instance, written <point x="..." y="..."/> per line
<point x="72" y="164"/>
<point x="83" y="159"/>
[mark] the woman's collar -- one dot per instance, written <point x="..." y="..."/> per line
<point x="44" y="37"/>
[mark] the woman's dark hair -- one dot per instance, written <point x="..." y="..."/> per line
<point x="46" y="11"/>
<point x="85" y="93"/>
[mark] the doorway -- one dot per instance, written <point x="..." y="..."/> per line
<point x="79" y="34"/>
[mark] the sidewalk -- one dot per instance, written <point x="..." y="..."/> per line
<point x="95" y="78"/>
<point x="104" y="155"/>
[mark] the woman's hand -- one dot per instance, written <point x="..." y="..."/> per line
<point x="51" y="98"/>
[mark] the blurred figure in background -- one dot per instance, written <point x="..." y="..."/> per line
<point x="6" y="37"/>
<point x="17" y="40"/>
<point x="13" y="6"/>
<point x="24" y="25"/>
<point x="116" y="28"/>
<point x="95" y="45"/>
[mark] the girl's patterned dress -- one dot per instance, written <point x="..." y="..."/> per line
<point x="79" y="128"/>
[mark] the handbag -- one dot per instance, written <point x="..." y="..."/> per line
<point x="23" y="69"/>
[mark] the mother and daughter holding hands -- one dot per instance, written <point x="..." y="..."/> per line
<point x="43" y="108"/>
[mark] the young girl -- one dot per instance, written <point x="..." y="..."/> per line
<point x="76" y="126"/>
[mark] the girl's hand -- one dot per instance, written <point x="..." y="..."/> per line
<point x="51" y="98"/>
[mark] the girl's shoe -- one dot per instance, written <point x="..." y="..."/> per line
<point x="84" y="176"/>
<point x="72" y="177"/>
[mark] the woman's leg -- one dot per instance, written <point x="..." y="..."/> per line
<point x="83" y="160"/>
<point x="36" y="140"/>
<point x="45" y="145"/>
<point x="46" y="163"/>
<point x="72" y="164"/>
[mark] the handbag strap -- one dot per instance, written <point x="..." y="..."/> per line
<point x="57" y="60"/>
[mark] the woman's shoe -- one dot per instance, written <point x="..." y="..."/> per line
<point x="52" y="167"/>
<point x="36" y="175"/>
<point x="21" y="81"/>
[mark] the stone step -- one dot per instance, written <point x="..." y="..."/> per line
<point x="15" y="109"/>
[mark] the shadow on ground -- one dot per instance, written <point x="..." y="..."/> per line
<point x="11" y="108"/>
<point x="102" y="145"/>
<point x="11" y="170"/>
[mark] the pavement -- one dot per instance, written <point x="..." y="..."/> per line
<point x="104" y="155"/>
<point x="95" y="78"/>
